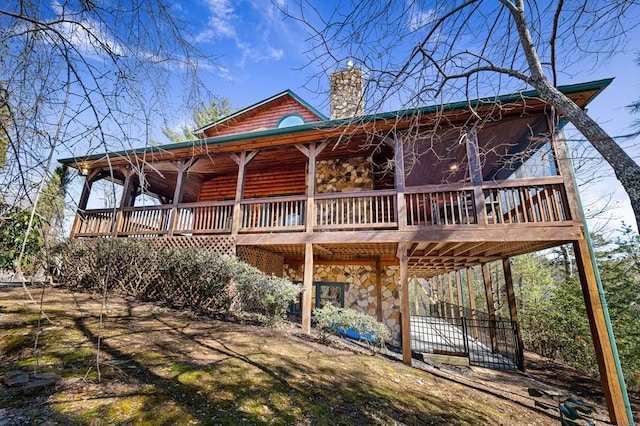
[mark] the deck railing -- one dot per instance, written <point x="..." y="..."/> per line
<point x="376" y="209"/>
<point x="444" y="205"/>
<point x="94" y="223"/>
<point x="143" y="221"/>
<point x="204" y="218"/>
<point x="535" y="202"/>
<point x="273" y="214"/>
<point x="530" y="201"/>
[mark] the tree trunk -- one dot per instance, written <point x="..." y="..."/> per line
<point x="626" y="170"/>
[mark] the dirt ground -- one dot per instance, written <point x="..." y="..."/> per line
<point x="165" y="366"/>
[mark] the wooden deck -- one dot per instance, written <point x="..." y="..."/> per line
<point x="534" y="202"/>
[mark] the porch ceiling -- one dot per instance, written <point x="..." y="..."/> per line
<point x="426" y="259"/>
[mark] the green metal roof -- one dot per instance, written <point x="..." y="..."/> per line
<point x="597" y="85"/>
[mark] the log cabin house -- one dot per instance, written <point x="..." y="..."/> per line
<point x="356" y="205"/>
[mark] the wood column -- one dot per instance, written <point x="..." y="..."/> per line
<point x="459" y="291"/>
<point x="491" y="306"/>
<point x="475" y="170"/>
<point x="181" y="167"/>
<point x="307" y="288"/>
<point x="124" y="200"/>
<point x="472" y="302"/>
<point x="399" y="182"/>
<point x="405" y="312"/>
<point x="311" y="189"/>
<point x="613" y="393"/>
<point x="451" y="304"/>
<point x="241" y="161"/>
<point x="513" y="309"/>
<point x="379" y="289"/>
<point x="82" y="202"/>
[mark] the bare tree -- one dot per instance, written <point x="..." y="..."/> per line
<point x="83" y="76"/>
<point x="472" y="48"/>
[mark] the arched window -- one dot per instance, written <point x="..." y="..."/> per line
<point x="290" y="120"/>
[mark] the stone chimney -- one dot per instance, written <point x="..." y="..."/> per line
<point x="346" y="93"/>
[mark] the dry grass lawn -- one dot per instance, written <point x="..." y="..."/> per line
<point x="162" y="366"/>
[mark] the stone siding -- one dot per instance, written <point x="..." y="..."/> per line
<point x="346" y="93"/>
<point x="360" y="290"/>
<point x="344" y="175"/>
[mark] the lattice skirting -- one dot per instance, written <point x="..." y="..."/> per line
<point x="268" y="262"/>
<point x="225" y="245"/>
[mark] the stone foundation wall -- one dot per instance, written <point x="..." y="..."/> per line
<point x="344" y="175"/>
<point x="360" y="290"/>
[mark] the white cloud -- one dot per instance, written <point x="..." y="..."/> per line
<point x="221" y="23"/>
<point x="418" y="18"/>
<point x="254" y="28"/>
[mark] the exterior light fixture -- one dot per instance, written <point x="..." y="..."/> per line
<point x="453" y="166"/>
<point x="84" y="170"/>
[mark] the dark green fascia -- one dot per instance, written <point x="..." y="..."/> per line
<point x="598" y="85"/>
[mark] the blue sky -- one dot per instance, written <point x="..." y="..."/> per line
<point x="261" y="53"/>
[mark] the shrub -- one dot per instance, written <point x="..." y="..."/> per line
<point x="187" y="277"/>
<point x="333" y="320"/>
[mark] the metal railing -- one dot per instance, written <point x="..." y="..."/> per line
<point x="487" y="343"/>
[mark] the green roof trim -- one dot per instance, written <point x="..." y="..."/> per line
<point x="597" y="85"/>
<point x="317" y="113"/>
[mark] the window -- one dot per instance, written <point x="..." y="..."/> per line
<point x="324" y="293"/>
<point x="290" y="120"/>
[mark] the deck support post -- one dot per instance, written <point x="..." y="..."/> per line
<point x="460" y="298"/>
<point x="451" y="301"/>
<point x="513" y="309"/>
<point x="379" y="289"/>
<point x="405" y="311"/>
<point x="472" y="302"/>
<point x="307" y="287"/>
<point x="613" y="393"/>
<point x="491" y="306"/>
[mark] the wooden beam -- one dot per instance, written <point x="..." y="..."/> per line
<point x="303" y="149"/>
<point x="82" y="204"/>
<point x="181" y="166"/>
<point x="513" y="309"/>
<point x="472" y="302"/>
<point x="405" y="312"/>
<point x="451" y="301"/>
<point x="399" y="183"/>
<point x="384" y="261"/>
<point x="311" y="189"/>
<point x="475" y="170"/>
<point x="459" y="291"/>
<point x="491" y="306"/>
<point x="379" y="289"/>
<point x="613" y="393"/>
<point x="563" y="160"/>
<point x="242" y="162"/>
<point x="124" y="199"/>
<point x="307" y="284"/>
<point x="554" y="235"/>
